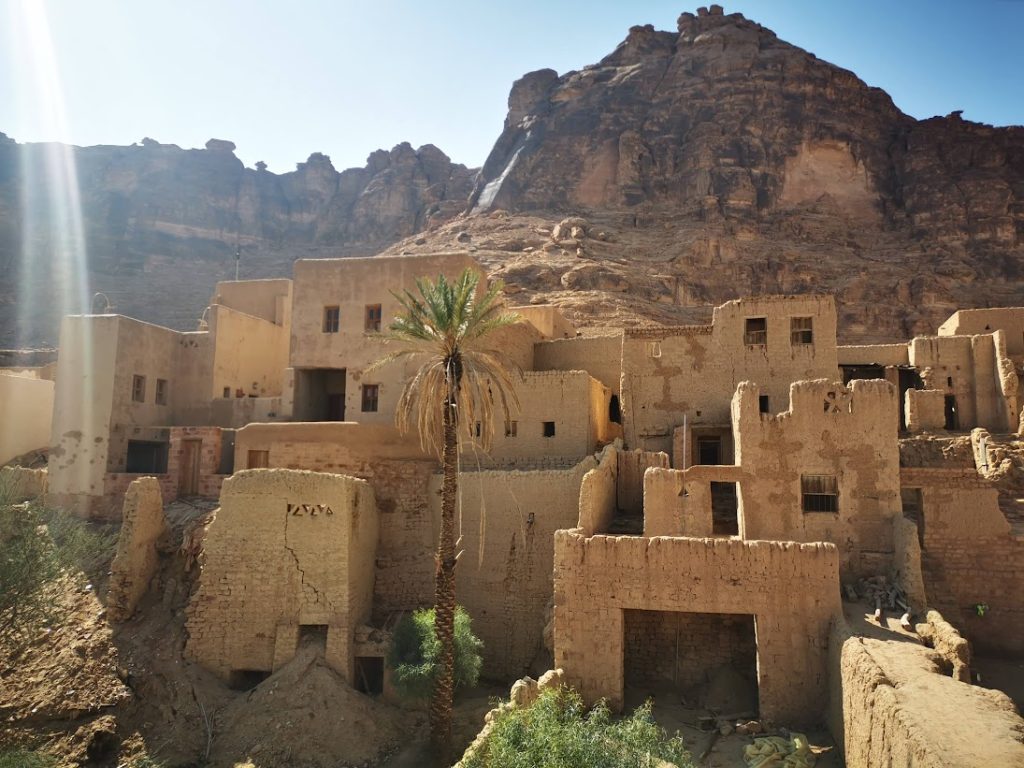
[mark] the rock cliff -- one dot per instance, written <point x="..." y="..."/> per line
<point x="161" y="224"/>
<point x="704" y="163"/>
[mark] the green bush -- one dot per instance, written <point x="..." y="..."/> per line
<point x="557" y="731"/>
<point x="17" y="758"/>
<point x="415" y="650"/>
<point x="37" y="547"/>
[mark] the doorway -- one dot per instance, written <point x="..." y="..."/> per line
<point x="320" y="394"/>
<point x="188" y="477"/>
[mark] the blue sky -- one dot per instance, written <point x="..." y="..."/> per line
<point x="284" y="79"/>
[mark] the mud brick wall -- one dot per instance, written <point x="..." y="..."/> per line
<point x="286" y="549"/>
<point x="791" y="589"/>
<point x="684" y="649"/>
<point x="925" y="409"/>
<point x="971" y="555"/>
<point x="136" y="559"/>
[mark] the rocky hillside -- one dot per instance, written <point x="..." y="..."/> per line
<point x="703" y="163"/>
<point x="162" y="224"/>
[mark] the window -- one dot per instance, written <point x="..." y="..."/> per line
<point x="332" y="317"/>
<point x="227" y="391"/>
<point x="801" y="330"/>
<point x="370" y="392"/>
<point x="654" y="349"/>
<point x="755" y="331"/>
<point x="477" y="429"/>
<point x="372" y="323"/>
<point x="820" y="493"/>
<point x="511" y="428"/>
<point x="138" y="389"/>
<point x="549" y="429"/>
<point x="145" y="457"/>
<point x="161" y="391"/>
<point x="258" y="460"/>
<point x="764" y="404"/>
<point x="952" y="417"/>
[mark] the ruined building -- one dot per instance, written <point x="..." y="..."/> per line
<point x="666" y="501"/>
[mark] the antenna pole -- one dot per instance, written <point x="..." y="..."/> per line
<point x="238" y="259"/>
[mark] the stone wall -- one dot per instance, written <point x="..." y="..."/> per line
<point x="136" y="560"/>
<point x="925" y="410"/>
<point x="286" y="549"/>
<point x="971" y="556"/>
<point x="791" y="589"/>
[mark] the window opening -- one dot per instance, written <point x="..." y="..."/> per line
<point x="764" y="404"/>
<point x="952" y="416"/>
<point x="372" y="318"/>
<point x="161" y="391"/>
<point x="801" y="330"/>
<point x="755" y="331"/>
<point x="332" y="319"/>
<point x="820" y="493"/>
<point x="258" y="460"/>
<point x="549" y="429"/>
<point x="370" y="392"/>
<point x="511" y="428"/>
<point x="138" y="389"/>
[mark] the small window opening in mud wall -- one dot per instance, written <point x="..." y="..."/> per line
<point x="952" y="415"/>
<point x="549" y="429"/>
<point x="246" y="679"/>
<point x="258" y="460"/>
<point x="372" y="314"/>
<point x="724" y="509"/>
<point x="370" y="394"/>
<point x="146" y="457"/>
<point x="764" y="404"/>
<point x="138" y="389"/>
<point x="614" y="410"/>
<point x="511" y="428"/>
<point x="370" y="674"/>
<point x="313" y="634"/>
<point x="755" y="331"/>
<point x="913" y="509"/>
<point x="820" y="493"/>
<point x="708" y="659"/>
<point x="161" y="391"/>
<point x="801" y="331"/>
<point x="332" y="319"/>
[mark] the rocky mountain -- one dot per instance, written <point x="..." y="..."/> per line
<point x="694" y="166"/>
<point x="160" y="224"/>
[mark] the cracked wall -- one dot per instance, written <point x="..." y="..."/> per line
<point x="286" y="549"/>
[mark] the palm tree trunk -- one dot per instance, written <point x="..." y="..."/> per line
<point x="444" y="595"/>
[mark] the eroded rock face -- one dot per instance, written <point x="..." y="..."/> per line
<point x="161" y="224"/>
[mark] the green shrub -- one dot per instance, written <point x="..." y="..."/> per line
<point x="557" y="731"/>
<point x="37" y="547"/>
<point x="17" y="758"/>
<point x="415" y="650"/>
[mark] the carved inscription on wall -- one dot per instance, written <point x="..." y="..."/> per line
<point x="309" y="510"/>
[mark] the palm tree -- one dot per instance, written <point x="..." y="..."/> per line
<point x="447" y="326"/>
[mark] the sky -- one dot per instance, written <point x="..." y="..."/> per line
<point x="287" y="78"/>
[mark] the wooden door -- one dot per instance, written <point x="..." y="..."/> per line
<point x="188" y="480"/>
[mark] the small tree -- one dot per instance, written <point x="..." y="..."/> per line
<point x="415" y="655"/>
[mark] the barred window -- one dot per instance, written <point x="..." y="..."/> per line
<point x="801" y="330"/>
<point x="370" y="392"/>
<point x="332" y="318"/>
<point x="138" y="389"/>
<point x="820" y="493"/>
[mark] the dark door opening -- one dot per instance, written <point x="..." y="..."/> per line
<point x="246" y="679"/>
<point x="614" y="410"/>
<point x="370" y="675"/>
<point x="724" y="510"/>
<point x="709" y="450"/>
<point x="188" y="476"/>
<point x="710" y="659"/>
<point x="952" y="416"/>
<point x="320" y="394"/>
<point x="313" y="634"/>
<point x="146" y="457"/>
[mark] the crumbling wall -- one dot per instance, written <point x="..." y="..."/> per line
<point x="630" y="485"/>
<point x="286" y="549"/>
<point x="906" y="563"/>
<point x="925" y="410"/>
<point x="972" y="557"/>
<point x="890" y="705"/>
<point x="506" y="526"/>
<point x="136" y="561"/>
<point x="19" y="484"/>
<point x="948" y="643"/>
<point x="791" y="589"/>
<point x="847" y="433"/>
<point x="597" y="494"/>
